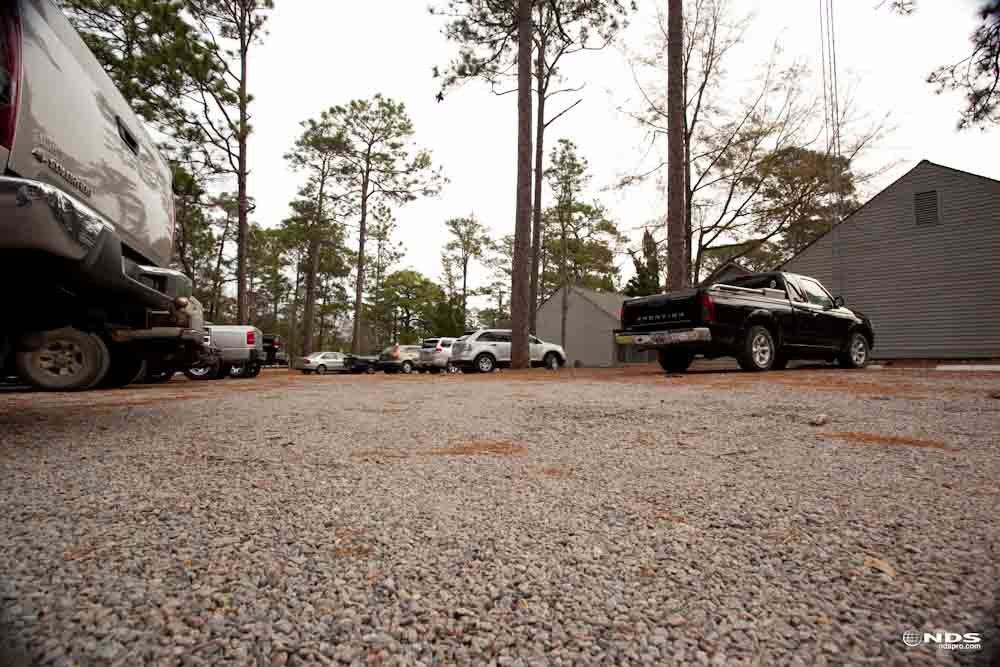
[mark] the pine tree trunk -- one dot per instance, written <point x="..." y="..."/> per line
<point x="359" y="286"/>
<point x="536" y="223"/>
<point x="564" y="271"/>
<point x="308" y="317"/>
<point x="465" y="294"/>
<point x="676" y="269"/>
<point x="293" y="331"/>
<point x="243" y="230"/>
<point x="520" y="275"/>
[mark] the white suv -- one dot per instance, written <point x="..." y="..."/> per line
<point x="486" y="349"/>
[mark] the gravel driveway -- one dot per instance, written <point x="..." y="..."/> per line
<point x="804" y="517"/>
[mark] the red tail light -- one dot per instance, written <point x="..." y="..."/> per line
<point x="251" y="338"/>
<point x="10" y="60"/>
<point x="707" y="308"/>
<point x="439" y="349"/>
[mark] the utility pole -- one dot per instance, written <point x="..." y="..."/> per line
<point x="677" y="274"/>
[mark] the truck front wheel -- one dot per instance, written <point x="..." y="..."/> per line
<point x="66" y="360"/>
<point x="673" y="361"/>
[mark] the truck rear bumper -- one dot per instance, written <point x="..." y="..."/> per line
<point x="656" y="339"/>
<point x="38" y="217"/>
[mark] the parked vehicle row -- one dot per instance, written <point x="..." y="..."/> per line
<point x="764" y="320"/>
<point x="480" y="351"/>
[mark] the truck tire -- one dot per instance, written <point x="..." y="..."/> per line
<point x="673" y="361"/>
<point x="198" y="373"/>
<point x="158" y="376"/>
<point x="407" y="367"/>
<point x="759" y="350"/>
<point x="856" y="353"/>
<point x="126" y="368"/>
<point x="67" y="360"/>
<point x="251" y="370"/>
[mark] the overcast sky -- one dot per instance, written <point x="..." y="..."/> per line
<point x="320" y="53"/>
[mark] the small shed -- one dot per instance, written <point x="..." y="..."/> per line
<point x="591" y="318"/>
<point x="726" y="271"/>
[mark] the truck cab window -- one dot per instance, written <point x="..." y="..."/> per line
<point x="815" y="294"/>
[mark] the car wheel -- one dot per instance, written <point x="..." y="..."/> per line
<point x="452" y="368"/>
<point x="204" y="372"/>
<point x="126" y="368"/>
<point x="759" y="350"/>
<point x="237" y="371"/>
<point x="67" y="360"/>
<point x="673" y="361"/>
<point x="407" y="367"/>
<point x="158" y="376"/>
<point x="551" y="361"/>
<point x="321" y="370"/>
<point x="369" y="370"/>
<point x="856" y="353"/>
<point x="253" y="370"/>
<point x="485" y="363"/>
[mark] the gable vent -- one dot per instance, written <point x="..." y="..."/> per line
<point x="926" y="207"/>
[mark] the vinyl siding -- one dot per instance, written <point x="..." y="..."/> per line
<point x="589" y="337"/>
<point x="932" y="290"/>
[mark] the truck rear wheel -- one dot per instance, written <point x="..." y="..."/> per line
<point x="67" y="360"/>
<point x="759" y="350"/>
<point x="206" y="372"/>
<point x="856" y="353"/>
<point x="673" y="361"/>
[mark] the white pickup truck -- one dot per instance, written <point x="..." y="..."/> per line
<point x="86" y="220"/>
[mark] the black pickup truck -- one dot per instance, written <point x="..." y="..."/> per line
<point x="763" y="319"/>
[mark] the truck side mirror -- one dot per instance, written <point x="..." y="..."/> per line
<point x="838" y="302"/>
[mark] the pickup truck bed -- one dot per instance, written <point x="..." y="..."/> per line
<point x="764" y="320"/>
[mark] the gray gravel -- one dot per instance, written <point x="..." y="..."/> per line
<point x="519" y="519"/>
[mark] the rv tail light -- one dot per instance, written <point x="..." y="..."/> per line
<point x="10" y="61"/>
<point x="707" y="308"/>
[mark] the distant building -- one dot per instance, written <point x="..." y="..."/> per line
<point x="922" y="260"/>
<point x="591" y="318"/>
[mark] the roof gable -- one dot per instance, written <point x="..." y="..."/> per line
<point x="922" y="165"/>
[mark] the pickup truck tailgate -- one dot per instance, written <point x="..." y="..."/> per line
<point x="681" y="309"/>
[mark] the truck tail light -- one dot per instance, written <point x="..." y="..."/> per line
<point x="10" y="61"/>
<point x="439" y="349"/>
<point x="707" y="307"/>
<point x="251" y="338"/>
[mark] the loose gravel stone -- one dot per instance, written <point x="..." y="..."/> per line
<point x="578" y="517"/>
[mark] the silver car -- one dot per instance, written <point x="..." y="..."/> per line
<point x="435" y="355"/>
<point x="322" y="363"/>
<point x="484" y="350"/>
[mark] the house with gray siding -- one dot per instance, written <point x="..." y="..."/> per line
<point x="922" y="260"/>
<point x="591" y="318"/>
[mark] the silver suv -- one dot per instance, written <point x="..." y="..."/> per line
<point x="484" y="350"/>
<point x="435" y="354"/>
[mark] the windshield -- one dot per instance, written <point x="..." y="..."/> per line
<point x="430" y="343"/>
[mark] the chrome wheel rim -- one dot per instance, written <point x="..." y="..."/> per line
<point x="200" y="371"/>
<point x="61" y="358"/>
<point x="485" y="365"/>
<point x="407" y="368"/>
<point x="762" y="351"/>
<point x="859" y="351"/>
